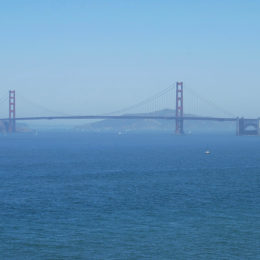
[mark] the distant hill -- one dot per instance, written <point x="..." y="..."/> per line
<point x="144" y="125"/>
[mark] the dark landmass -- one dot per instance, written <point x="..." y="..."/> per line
<point x="144" y="125"/>
<point x="20" y="127"/>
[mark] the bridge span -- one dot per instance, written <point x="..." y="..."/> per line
<point x="244" y="126"/>
<point x="100" y="117"/>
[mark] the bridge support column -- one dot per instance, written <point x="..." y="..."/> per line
<point x="179" y="108"/>
<point x="12" y="123"/>
<point x="248" y="126"/>
<point x="237" y="126"/>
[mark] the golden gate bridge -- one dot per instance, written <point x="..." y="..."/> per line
<point x="244" y="126"/>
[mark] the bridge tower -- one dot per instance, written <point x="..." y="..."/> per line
<point x="179" y="108"/>
<point x="12" y="123"/>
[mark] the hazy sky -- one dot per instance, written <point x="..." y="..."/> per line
<point x="88" y="57"/>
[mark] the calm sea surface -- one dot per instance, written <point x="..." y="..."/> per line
<point x="105" y="196"/>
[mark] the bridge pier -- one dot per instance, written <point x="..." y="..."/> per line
<point x="246" y="126"/>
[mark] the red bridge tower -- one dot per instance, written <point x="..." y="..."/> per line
<point x="179" y="108"/>
<point x="12" y="124"/>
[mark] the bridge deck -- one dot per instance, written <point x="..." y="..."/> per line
<point x="126" y="117"/>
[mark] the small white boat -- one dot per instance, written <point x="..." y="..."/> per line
<point x="207" y="152"/>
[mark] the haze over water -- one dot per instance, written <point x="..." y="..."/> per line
<point x="143" y="196"/>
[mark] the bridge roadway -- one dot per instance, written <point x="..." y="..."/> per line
<point x="220" y="119"/>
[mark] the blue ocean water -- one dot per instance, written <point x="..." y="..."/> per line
<point x="143" y="196"/>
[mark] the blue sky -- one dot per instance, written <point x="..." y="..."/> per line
<point x="88" y="57"/>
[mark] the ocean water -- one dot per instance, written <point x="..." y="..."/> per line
<point x="145" y="196"/>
